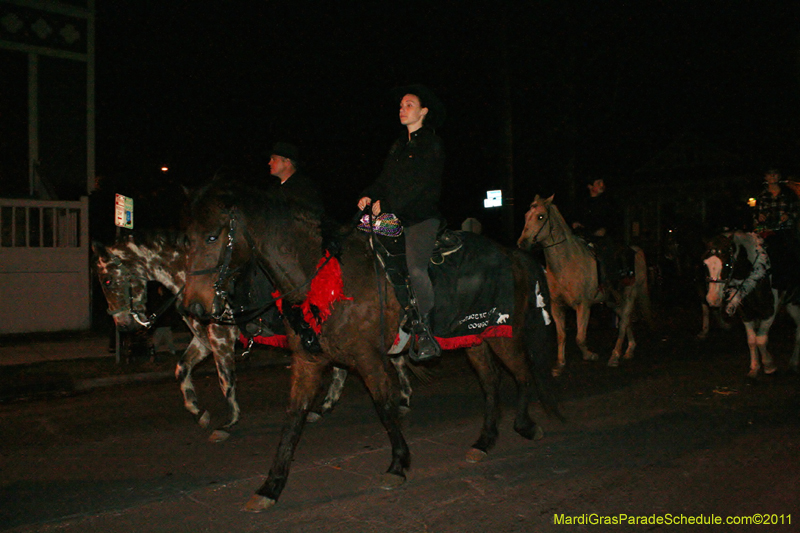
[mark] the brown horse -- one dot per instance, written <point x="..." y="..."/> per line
<point x="357" y="320"/>
<point x="572" y="276"/>
<point x="125" y="267"/>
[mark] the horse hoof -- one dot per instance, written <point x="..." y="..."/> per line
<point x="313" y="417"/>
<point x="403" y="411"/>
<point x="613" y="362"/>
<point x="753" y="374"/>
<point x="591" y="356"/>
<point x="475" y="455"/>
<point x="218" y="435"/>
<point x="557" y="370"/>
<point x="258" y="503"/>
<point x="771" y="369"/>
<point x="391" y="481"/>
<point x="204" y="420"/>
<point x="539" y="433"/>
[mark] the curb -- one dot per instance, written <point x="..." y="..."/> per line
<point x="53" y="385"/>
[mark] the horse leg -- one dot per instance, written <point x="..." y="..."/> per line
<point x="373" y="370"/>
<point x="516" y="361"/>
<point x="762" y="339"/>
<point x="583" y="311"/>
<point x="706" y="321"/>
<point x="306" y="379"/>
<point x="489" y="376"/>
<point x="404" y="404"/>
<point x="223" y="340"/>
<point x="625" y="331"/>
<point x="338" y="377"/>
<point x="794" y="311"/>
<point x="559" y="318"/>
<point x="195" y="352"/>
<point x="752" y="345"/>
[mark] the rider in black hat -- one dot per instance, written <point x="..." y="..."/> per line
<point x="284" y="162"/>
<point x="409" y="187"/>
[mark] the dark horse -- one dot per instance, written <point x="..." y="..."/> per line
<point x="230" y="225"/>
<point x="125" y="267"/>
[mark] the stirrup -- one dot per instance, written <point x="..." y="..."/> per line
<point x="427" y="348"/>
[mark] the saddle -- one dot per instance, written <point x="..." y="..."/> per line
<point x="615" y="263"/>
<point x="447" y="242"/>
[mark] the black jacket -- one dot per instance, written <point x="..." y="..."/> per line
<point x="410" y="184"/>
<point x="300" y="189"/>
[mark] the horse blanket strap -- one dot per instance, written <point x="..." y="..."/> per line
<point x="385" y="224"/>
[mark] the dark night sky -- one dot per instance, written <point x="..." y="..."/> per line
<point x="599" y="86"/>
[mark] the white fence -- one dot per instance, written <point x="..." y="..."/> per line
<point x="44" y="266"/>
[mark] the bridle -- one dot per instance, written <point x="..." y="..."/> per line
<point x="728" y="257"/>
<point x="135" y="304"/>
<point x="550" y="235"/>
<point x="225" y="273"/>
<point x="136" y="307"/>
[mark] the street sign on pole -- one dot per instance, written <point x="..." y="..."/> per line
<point x="123" y="211"/>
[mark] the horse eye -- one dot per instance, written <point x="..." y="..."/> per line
<point x="211" y="239"/>
<point x="540" y="217"/>
<point x="107" y="282"/>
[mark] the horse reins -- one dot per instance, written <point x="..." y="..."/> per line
<point x="225" y="272"/>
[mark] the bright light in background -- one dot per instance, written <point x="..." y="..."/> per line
<point x="164" y="169"/>
<point x="493" y="199"/>
<point x="751" y="202"/>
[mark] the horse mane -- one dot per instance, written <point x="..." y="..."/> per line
<point x="264" y="204"/>
<point x="153" y="238"/>
<point x="559" y="219"/>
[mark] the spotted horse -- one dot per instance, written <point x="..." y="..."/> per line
<point x="739" y="282"/>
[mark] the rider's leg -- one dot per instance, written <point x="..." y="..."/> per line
<point x="420" y="240"/>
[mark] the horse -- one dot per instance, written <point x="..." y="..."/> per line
<point x="343" y="298"/>
<point x="738" y="280"/>
<point x="124" y="269"/>
<point x="572" y="277"/>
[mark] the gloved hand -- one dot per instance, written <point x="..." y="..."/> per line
<point x="733" y="304"/>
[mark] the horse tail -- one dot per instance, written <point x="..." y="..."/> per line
<point x="534" y="328"/>
<point x="643" y="303"/>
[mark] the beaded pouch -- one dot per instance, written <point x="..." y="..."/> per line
<point x="384" y="224"/>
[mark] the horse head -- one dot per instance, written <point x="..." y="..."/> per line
<point x="216" y="247"/>
<point x="124" y="286"/>
<point x="538" y="223"/>
<point x="718" y="260"/>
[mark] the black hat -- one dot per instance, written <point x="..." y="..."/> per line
<point x="287" y="150"/>
<point x="427" y="98"/>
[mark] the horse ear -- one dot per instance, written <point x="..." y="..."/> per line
<point x="99" y="248"/>
<point x="549" y="200"/>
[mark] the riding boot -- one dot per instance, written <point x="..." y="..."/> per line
<point x="427" y="347"/>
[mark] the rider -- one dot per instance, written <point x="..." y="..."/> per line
<point x="775" y="219"/>
<point x="284" y="163"/>
<point x="409" y="187"/>
<point x="596" y="221"/>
